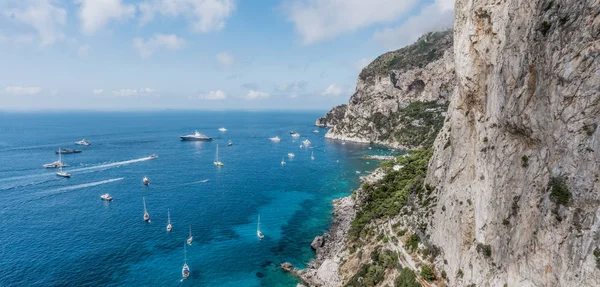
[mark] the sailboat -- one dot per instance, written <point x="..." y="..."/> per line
<point x="191" y="238"/>
<point x="146" y="215"/>
<point x="258" y="233"/>
<point x="169" y="226"/>
<point x="229" y="143"/>
<point x="282" y="161"/>
<point x="185" y="271"/>
<point x="312" y="155"/>
<point x="145" y="180"/>
<point x="217" y="162"/>
<point x="60" y="172"/>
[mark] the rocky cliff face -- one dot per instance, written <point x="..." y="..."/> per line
<point x="522" y="144"/>
<point x="380" y="110"/>
<point x="333" y="117"/>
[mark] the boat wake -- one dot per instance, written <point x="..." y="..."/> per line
<point x="79" y="186"/>
<point x="112" y="164"/>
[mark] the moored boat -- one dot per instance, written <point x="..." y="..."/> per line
<point x="67" y="151"/>
<point x="275" y="139"/>
<point x="106" y="197"/>
<point x="196" y="137"/>
<point x="83" y="142"/>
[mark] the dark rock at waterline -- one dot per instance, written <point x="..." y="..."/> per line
<point x="317" y="242"/>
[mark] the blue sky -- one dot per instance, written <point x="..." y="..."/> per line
<point x="198" y="54"/>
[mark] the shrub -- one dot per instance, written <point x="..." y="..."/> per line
<point x="406" y="278"/>
<point x="545" y="27"/>
<point x="485" y="249"/>
<point x="460" y="273"/>
<point x="427" y="273"/>
<point x="506" y="222"/>
<point x="401" y="232"/>
<point x="559" y="192"/>
<point x="524" y="161"/>
<point x="413" y="242"/>
<point x="597" y="255"/>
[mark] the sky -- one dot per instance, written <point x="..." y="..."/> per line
<point x="199" y="54"/>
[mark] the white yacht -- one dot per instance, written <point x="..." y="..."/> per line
<point x="169" y="226"/>
<point x="291" y="155"/>
<point x="296" y="135"/>
<point x="56" y="164"/>
<point x="191" y="238"/>
<point x="275" y="139"/>
<point x="185" y="271"/>
<point x="258" y="233"/>
<point x="229" y="143"/>
<point x="312" y="155"/>
<point x="306" y="142"/>
<point x="316" y="131"/>
<point x="60" y="172"/>
<point x="222" y="129"/>
<point x="145" y="180"/>
<point x="217" y="162"/>
<point x="196" y="137"/>
<point x="83" y="142"/>
<point x="106" y="197"/>
<point x="146" y="215"/>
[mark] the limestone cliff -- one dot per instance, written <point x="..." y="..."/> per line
<point x="401" y="95"/>
<point x="521" y="144"/>
<point x="333" y="117"/>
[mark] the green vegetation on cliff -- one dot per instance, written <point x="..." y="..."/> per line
<point x="386" y="197"/>
<point x="425" y="50"/>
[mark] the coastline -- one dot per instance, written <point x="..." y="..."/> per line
<point x="323" y="269"/>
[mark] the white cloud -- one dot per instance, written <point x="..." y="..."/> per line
<point x="255" y="95"/>
<point x="225" y="59"/>
<point x="95" y="14"/>
<point x="212" y="96"/>
<point x="434" y="17"/>
<point x="133" y="92"/>
<point x="317" y="20"/>
<point x="292" y="90"/>
<point x="19" y="90"/>
<point x="332" y="90"/>
<point x="83" y="50"/>
<point x="98" y="91"/>
<point x="204" y="15"/>
<point x="362" y="63"/>
<point x="43" y="16"/>
<point x="147" y="47"/>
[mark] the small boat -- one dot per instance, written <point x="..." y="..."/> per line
<point x="185" y="271"/>
<point x="217" y="162"/>
<point x="169" y="226"/>
<point x="204" y="180"/>
<point x="196" y="137"/>
<point x="291" y="155"/>
<point x="153" y="156"/>
<point x="146" y="181"/>
<point x="106" y="197"/>
<point x="229" y="143"/>
<point x="56" y="164"/>
<point x="358" y="172"/>
<point x="191" y="238"/>
<point x="222" y="129"/>
<point x="67" y="151"/>
<point x="370" y="148"/>
<point x="83" y="142"/>
<point x="282" y="161"/>
<point x="146" y="215"/>
<point x="316" y="131"/>
<point x="312" y="155"/>
<point x="343" y="142"/>
<point x="60" y="172"/>
<point x="296" y="135"/>
<point x="275" y="139"/>
<point x="258" y="233"/>
<point x="306" y="142"/>
<point x="301" y="146"/>
<point x="292" y="132"/>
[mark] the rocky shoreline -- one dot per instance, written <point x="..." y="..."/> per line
<point x="323" y="270"/>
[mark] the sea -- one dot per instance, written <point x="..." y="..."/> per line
<point x="58" y="232"/>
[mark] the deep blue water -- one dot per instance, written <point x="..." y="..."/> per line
<point x="57" y="231"/>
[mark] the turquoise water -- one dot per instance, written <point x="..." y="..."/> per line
<point x="57" y="231"/>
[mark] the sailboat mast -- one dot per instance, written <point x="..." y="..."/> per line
<point x="169" y="215"/>
<point x="184" y="253"/>
<point x="59" y="160"/>
<point x="217" y="155"/>
<point x="258" y="227"/>
<point x="144" y="199"/>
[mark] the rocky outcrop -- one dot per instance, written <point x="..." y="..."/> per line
<point x="333" y="117"/>
<point x="521" y="143"/>
<point x="380" y="110"/>
<point x="317" y="242"/>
